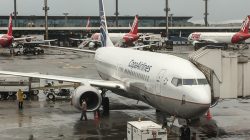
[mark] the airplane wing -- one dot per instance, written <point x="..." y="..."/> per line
<point x="50" y="40"/>
<point x="96" y="83"/>
<point x="143" y="46"/>
<point x="23" y="38"/>
<point x="77" y="39"/>
<point x="70" y="49"/>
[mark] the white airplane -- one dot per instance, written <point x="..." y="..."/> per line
<point x="116" y="38"/>
<point x="168" y="83"/>
<point x="222" y="37"/>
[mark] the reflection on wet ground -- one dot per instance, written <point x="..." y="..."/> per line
<point x="59" y="120"/>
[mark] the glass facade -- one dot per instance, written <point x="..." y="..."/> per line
<point x="80" y="21"/>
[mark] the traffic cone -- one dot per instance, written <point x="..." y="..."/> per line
<point x="209" y="116"/>
<point x="96" y="115"/>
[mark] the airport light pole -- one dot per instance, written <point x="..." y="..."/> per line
<point x="46" y="8"/>
<point x="66" y="19"/>
<point x="206" y="13"/>
<point x="167" y="10"/>
<point x="116" y="13"/>
<point x="15" y="12"/>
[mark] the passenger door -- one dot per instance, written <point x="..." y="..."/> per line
<point x="161" y="81"/>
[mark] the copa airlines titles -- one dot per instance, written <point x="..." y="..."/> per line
<point x="139" y="66"/>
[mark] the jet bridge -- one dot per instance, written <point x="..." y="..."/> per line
<point x="228" y="72"/>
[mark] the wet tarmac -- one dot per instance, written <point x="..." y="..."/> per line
<point x="41" y="119"/>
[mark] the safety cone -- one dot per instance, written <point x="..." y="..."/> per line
<point x="96" y="115"/>
<point x="209" y="116"/>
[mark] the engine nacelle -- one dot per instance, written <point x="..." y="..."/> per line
<point x="91" y="95"/>
<point x="194" y="42"/>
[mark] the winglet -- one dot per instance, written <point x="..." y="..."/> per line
<point x="10" y="26"/>
<point x="245" y="25"/>
<point x="134" y="28"/>
<point x="105" y="40"/>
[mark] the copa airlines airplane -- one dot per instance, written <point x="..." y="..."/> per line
<point x="6" y="40"/>
<point x="222" y="37"/>
<point x="168" y="83"/>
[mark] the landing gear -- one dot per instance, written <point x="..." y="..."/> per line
<point x="105" y="102"/>
<point x="185" y="132"/>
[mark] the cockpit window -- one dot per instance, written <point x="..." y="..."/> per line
<point x="189" y="82"/>
<point x="176" y="82"/>
<point x="202" y="81"/>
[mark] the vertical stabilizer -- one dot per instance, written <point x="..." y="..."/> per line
<point x="105" y="40"/>
<point x="10" y="26"/>
<point x="134" y="28"/>
<point x="245" y="25"/>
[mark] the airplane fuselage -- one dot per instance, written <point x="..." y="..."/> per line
<point x="116" y="37"/>
<point x="5" y="40"/>
<point x="151" y="78"/>
<point x="219" y="37"/>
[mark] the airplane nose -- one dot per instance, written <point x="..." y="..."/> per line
<point x="202" y="94"/>
<point x="200" y="100"/>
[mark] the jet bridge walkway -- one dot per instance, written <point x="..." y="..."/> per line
<point x="228" y="72"/>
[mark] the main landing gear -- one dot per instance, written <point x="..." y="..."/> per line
<point x="105" y="102"/>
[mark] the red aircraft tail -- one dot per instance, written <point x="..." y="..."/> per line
<point x="10" y="26"/>
<point x="245" y="25"/>
<point x="134" y="28"/>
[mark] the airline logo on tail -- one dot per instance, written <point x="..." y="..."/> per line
<point x="245" y="25"/>
<point x="10" y="26"/>
<point x="105" y="40"/>
<point x="134" y="28"/>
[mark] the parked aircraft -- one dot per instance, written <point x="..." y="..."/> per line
<point x="6" y="40"/>
<point x="175" y="85"/>
<point x="222" y="37"/>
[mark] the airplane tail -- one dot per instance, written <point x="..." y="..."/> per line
<point x="134" y="28"/>
<point x="10" y="26"/>
<point x="104" y="35"/>
<point x="245" y="25"/>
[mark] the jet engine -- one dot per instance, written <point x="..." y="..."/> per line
<point x="28" y="39"/>
<point x="91" y="95"/>
<point x="194" y="43"/>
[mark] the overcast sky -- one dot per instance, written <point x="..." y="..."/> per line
<point x="219" y="10"/>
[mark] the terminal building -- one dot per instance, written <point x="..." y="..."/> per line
<point x="81" y="21"/>
<point x="65" y="27"/>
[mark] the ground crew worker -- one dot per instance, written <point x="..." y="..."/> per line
<point x="20" y="98"/>
<point x="84" y="110"/>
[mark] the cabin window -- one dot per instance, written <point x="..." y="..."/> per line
<point x="176" y="82"/>
<point x="189" y="82"/>
<point x="202" y="81"/>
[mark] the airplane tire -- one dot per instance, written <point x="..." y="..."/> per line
<point x="25" y="96"/>
<point x="105" y="105"/>
<point x="50" y="96"/>
<point x="11" y="93"/>
<point x="35" y="92"/>
<point x="36" y="52"/>
<point x="18" y="53"/>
